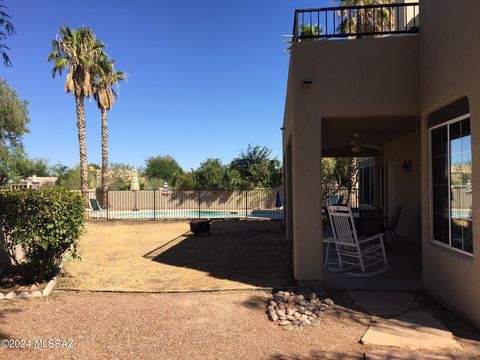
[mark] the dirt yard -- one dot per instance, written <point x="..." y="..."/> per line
<point x="165" y="256"/>
<point x="230" y="325"/>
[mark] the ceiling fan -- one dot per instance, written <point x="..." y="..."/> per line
<point x="358" y="146"/>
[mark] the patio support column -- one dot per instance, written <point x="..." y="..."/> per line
<point x="307" y="198"/>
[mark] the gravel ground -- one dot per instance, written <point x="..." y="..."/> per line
<point x="228" y="325"/>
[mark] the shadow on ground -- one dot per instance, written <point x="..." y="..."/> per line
<point x="250" y="252"/>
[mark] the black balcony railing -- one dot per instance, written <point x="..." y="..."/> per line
<point x="355" y="21"/>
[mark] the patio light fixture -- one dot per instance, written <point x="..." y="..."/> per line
<point x="407" y="166"/>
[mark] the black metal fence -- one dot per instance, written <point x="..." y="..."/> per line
<point x="333" y="196"/>
<point x="159" y="204"/>
<point x="355" y="21"/>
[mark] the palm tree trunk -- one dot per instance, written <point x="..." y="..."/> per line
<point x="80" y="108"/>
<point x="104" y="157"/>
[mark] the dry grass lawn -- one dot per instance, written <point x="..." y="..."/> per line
<point x="165" y="256"/>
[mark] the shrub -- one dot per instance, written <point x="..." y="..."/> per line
<point x="44" y="224"/>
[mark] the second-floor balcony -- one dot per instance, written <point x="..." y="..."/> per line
<point x="356" y="21"/>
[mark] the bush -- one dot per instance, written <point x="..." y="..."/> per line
<point x="44" y="224"/>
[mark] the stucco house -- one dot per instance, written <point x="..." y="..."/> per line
<point x="410" y="88"/>
<point x="35" y="182"/>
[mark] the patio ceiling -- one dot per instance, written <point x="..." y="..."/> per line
<point x="337" y="133"/>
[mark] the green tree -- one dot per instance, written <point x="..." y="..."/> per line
<point x="79" y="52"/>
<point x="186" y="181"/>
<point x="6" y="30"/>
<point x="71" y="179"/>
<point x="210" y="175"/>
<point x="58" y="169"/>
<point x="257" y="169"/>
<point x="365" y="20"/>
<point x="232" y="179"/>
<point x="120" y="176"/>
<point x="163" y="167"/>
<point x="24" y="167"/>
<point x="338" y="174"/>
<point x="106" y="78"/>
<point x="13" y="125"/>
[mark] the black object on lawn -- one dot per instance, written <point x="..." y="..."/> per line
<point x="199" y="226"/>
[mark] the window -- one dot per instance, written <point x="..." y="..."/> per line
<point x="451" y="186"/>
<point x="366" y="177"/>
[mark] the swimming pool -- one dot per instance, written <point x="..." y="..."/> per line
<point x="184" y="214"/>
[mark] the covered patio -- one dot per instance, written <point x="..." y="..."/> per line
<point x="388" y="153"/>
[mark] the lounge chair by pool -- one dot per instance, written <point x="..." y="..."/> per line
<point x="95" y="205"/>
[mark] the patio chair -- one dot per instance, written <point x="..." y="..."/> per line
<point x="363" y="253"/>
<point x="390" y="225"/>
<point x="95" y="205"/>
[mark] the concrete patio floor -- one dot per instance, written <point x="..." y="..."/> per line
<point x="404" y="274"/>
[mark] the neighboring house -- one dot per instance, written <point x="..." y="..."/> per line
<point x="35" y="182"/>
<point x="414" y="94"/>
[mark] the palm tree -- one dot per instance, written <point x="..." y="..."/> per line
<point x="106" y="78"/>
<point x="365" y="20"/>
<point x="6" y="30"/>
<point x="78" y="51"/>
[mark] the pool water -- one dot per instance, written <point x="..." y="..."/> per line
<point x="191" y="214"/>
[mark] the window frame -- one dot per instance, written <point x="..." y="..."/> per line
<point x="430" y="159"/>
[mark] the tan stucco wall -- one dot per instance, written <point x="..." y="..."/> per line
<point x="348" y="79"/>
<point x="405" y="187"/>
<point x="393" y="76"/>
<point x="450" y="69"/>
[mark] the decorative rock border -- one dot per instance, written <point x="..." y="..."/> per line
<point x="299" y="309"/>
<point x="12" y="295"/>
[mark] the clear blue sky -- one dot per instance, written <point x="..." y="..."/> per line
<point x="205" y="78"/>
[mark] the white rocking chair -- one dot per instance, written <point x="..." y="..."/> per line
<point x="357" y="253"/>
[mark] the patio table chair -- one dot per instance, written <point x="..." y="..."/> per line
<point x="391" y="224"/>
<point x="365" y="254"/>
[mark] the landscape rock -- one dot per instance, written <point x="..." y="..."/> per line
<point x="11" y="295"/>
<point x="23" y="295"/>
<point x="297" y="309"/>
<point x="36" y="294"/>
<point x="328" y="301"/>
<point x="289" y="327"/>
